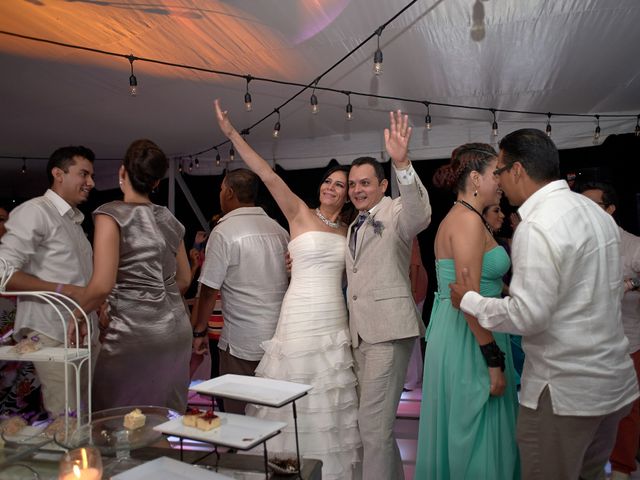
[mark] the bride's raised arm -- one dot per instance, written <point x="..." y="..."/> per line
<point x="290" y="204"/>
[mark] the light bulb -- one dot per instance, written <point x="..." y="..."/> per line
<point x="314" y="104"/>
<point x="349" y="111"/>
<point x="247" y="102"/>
<point x="190" y="167"/>
<point x="548" y="130"/>
<point x="494" y="129"/>
<point x="427" y="122"/>
<point x="596" y="134"/>
<point x="197" y="162"/>
<point x="217" y="160"/>
<point x="133" y="85"/>
<point x="276" y="130"/>
<point x="232" y="154"/>
<point x="377" y="62"/>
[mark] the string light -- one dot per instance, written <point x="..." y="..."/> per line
<point x="427" y="118"/>
<point x="548" y="128"/>
<point x="23" y="170"/>
<point x="247" y="96"/>
<point x="180" y="166"/>
<point x="197" y="163"/>
<point x="232" y="154"/>
<point x="276" y="127"/>
<point x="377" y="57"/>
<point x="217" y="157"/>
<point x="637" y="131"/>
<point x="133" y="81"/>
<point x="349" y="107"/>
<point x="314" y="100"/>
<point x="494" y="125"/>
<point x="596" y="132"/>
<point x="190" y="165"/>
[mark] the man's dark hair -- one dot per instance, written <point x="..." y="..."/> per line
<point x="244" y="184"/>
<point x="377" y="166"/>
<point x="63" y="159"/>
<point x="535" y="151"/>
<point x="609" y="195"/>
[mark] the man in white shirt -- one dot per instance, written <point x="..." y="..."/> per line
<point x="47" y="247"/>
<point x="623" y="456"/>
<point x="244" y="259"/>
<point x="578" y="380"/>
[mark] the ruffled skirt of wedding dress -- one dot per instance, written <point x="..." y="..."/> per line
<point x="327" y="416"/>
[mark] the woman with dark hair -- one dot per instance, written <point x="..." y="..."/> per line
<point x="140" y="267"/>
<point x="311" y="344"/>
<point x="469" y="406"/>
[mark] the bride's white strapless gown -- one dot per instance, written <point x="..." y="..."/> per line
<point x="312" y="345"/>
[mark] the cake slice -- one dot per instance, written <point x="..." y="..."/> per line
<point x="12" y="425"/>
<point x="208" y="421"/>
<point x="189" y="418"/>
<point x="134" y="419"/>
<point x="28" y="345"/>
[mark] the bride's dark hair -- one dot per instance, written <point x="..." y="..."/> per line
<point x="464" y="160"/>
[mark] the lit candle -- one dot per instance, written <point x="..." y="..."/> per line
<point x="82" y="474"/>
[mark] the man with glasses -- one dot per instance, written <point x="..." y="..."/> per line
<point x="578" y="380"/>
<point x="623" y="456"/>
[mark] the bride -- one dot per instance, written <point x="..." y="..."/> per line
<point x="311" y="344"/>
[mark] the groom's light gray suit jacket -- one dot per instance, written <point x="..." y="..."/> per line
<point x="381" y="306"/>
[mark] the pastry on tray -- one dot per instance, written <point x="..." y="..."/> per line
<point x="27" y="345"/>
<point x="57" y="427"/>
<point x="134" y="419"/>
<point x="208" y="421"/>
<point x="189" y="418"/>
<point x="12" y="425"/>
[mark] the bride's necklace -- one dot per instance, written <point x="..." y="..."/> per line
<point x="326" y="221"/>
<point x="470" y="207"/>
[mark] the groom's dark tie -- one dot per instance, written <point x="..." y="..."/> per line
<point x="354" y="232"/>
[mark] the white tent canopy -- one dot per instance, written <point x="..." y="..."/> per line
<point x="560" y="56"/>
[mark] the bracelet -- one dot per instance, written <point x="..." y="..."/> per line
<point x="59" y="288"/>
<point x="200" y="334"/>
<point x="493" y="355"/>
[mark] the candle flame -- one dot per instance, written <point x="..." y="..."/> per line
<point x="76" y="471"/>
<point x="85" y="463"/>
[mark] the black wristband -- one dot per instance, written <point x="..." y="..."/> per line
<point x="200" y="334"/>
<point x="493" y="355"/>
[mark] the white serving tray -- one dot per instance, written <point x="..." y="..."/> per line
<point x="263" y="391"/>
<point x="34" y="436"/>
<point x="47" y="354"/>
<point x="237" y="431"/>
<point x="165" y="468"/>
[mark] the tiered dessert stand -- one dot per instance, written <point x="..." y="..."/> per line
<point x="72" y="356"/>
<point x="259" y="391"/>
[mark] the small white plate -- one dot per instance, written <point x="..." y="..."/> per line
<point x="265" y="391"/>
<point x="165" y="468"/>
<point x="237" y="431"/>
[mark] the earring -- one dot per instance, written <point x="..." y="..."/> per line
<point x="120" y="182"/>
<point x="475" y="192"/>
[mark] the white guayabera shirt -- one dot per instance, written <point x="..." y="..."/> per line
<point x="565" y="302"/>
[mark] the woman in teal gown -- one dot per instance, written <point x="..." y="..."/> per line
<point x="469" y="402"/>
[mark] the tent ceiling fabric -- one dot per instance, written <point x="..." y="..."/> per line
<point x="570" y="56"/>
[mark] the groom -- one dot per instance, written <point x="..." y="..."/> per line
<point x="383" y="319"/>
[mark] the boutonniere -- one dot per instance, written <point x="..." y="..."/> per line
<point x="378" y="226"/>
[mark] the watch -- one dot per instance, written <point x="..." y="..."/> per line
<point x="200" y="334"/>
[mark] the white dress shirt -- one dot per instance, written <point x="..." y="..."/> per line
<point x="244" y="259"/>
<point x="565" y="302"/>
<point x="630" y="249"/>
<point x="44" y="239"/>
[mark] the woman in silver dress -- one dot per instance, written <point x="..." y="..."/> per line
<point x="140" y="268"/>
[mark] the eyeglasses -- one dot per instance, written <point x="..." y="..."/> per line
<point x="498" y="171"/>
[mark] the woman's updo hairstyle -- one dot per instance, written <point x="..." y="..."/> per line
<point x="145" y="164"/>
<point x="464" y="159"/>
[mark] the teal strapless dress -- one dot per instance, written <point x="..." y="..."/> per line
<point x="464" y="432"/>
